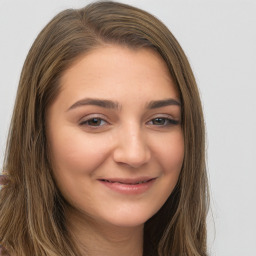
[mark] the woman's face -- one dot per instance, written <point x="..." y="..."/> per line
<point x="115" y="136"/>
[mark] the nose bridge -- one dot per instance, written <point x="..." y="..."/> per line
<point x="132" y="146"/>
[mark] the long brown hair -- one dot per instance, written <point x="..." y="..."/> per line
<point x="31" y="207"/>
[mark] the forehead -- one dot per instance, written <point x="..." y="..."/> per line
<point x="111" y="70"/>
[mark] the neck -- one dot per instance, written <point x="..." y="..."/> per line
<point x="103" y="239"/>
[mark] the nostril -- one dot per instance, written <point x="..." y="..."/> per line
<point x="132" y="159"/>
<point x="131" y="147"/>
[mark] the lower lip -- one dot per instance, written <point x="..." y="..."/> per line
<point x="129" y="189"/>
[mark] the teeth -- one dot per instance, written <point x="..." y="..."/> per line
<point x="140" y="182"/>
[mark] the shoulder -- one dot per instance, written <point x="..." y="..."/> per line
<point x="3" y="251"/>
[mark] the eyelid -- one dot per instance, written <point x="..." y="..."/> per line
<point x="92" y="116"/>
<point x="168" y="117"/>
<point x="161" y="115"/>
<point x="174" y="121"/>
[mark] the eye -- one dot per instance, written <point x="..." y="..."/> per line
<point x="94" y="122"/>
<point x="163" y="121"/>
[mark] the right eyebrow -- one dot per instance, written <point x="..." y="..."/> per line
<point x="96" y="102"/>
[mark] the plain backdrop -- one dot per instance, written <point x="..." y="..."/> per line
<point x="219" y="38"/>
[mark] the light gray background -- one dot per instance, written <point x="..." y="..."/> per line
<point x="219" y="38"/>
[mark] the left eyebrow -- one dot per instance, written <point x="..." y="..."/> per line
<point x="162" y="103"/>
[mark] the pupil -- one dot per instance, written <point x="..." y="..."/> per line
<point x="159" y="121"/>
<point x="94" y="122"/>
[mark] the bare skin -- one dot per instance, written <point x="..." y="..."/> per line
<point x="3" y="180"/>
<point x="116" y="145"/>
<point x="113" y="241"/>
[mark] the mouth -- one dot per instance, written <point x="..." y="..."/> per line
<point x="128" y="186"/>
<point x="127" y="182"/>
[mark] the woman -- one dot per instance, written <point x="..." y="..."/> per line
<point x="106" y="147"/>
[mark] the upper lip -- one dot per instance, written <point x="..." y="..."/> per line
<point x="128" y="180"/>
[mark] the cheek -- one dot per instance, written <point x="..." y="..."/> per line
<point x="171" y="158"/>
<point x="73" y="155"/>
<point x="75" y="159"/>
<point x="171" y="153"/>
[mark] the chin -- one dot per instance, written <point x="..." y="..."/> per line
<point x="129" y="219"/>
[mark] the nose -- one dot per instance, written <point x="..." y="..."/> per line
<point x="132" y="149"/>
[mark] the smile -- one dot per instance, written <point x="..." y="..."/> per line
<point x="128" y="186"/>
<point x="127" y="183"/>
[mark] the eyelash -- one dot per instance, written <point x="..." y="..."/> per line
<point x="167" y="122"/>
<point x="86" y="122"/>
